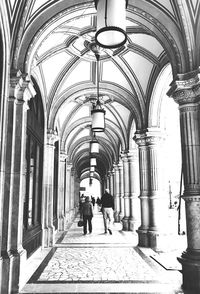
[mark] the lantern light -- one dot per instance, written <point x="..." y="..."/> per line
<point x="111" y="23"/>
<point x="94" y="145"/>
<point x="92" y="168"/>
<point x="98" y="113"/>
<point x="93" y="161"/>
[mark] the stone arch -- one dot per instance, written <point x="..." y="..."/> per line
<point x="160" y="89"/>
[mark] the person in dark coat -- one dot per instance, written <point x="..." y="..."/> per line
<point x="87" y="212"/>
<point x="107" y="204"/>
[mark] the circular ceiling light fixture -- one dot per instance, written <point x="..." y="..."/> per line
<point x="111" y="23"/>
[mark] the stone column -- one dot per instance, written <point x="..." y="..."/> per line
<point x="116" y="193"/>
<point x="48" y="181"/>
<point x="13" y="254"/>
<point x="72" y="192"/>
<point x="61" y="195"/>
<point x="144" y="189"/>
<point x="77" y="194"/>
<point x="125" y="220"/>
<point x="107" y="182"/>
<point x="187" y="94"/>
<point x="134" y="190"/>
<point x="68" y="191"/>
<point x="121" y="190"/>
<point x="153" y="199"/>
<point x="112" y="183"/>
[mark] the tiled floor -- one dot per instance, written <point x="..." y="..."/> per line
<point x="103" y="263"/>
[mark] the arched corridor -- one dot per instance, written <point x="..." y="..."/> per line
<point x="103" y="263"/>
<point x="77" y="117"/>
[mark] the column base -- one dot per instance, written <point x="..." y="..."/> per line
<point x="11" y="265"/>
<point x="190" y="271"/>
<point x="156" y="240"/>
<point x="159" y="241"/>
<point x="61" y="223"/>
<point x="125" y="224"/>
<point x="116" y="216"/>
<point x="121" y="215"/>
<point x="49" y="236"/>
<point x="143" y="238"/>
<point x="133" y="225"/>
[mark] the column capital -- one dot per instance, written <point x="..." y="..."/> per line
<point x="21" y="87"/>
<point x="52" y="137"/>
<point x="150" y="136"/>
<point x="69" y="166"/>
<point x="192" y="198"/>
<point x="124" y="155"/>
<point x="186" y="89"/>
<point x="116" y="167"/>
<point x="63" y="156"/>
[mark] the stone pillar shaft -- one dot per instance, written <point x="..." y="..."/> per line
<point x="49" y="230"/>
<point x="125" y="220"/>
<point x="68" y="191"/>
<point x="13" y="254"/>
<point x="61" y="195"/>
<point x="152" y="196"/>
<point x="134" y="190"/>
<point x="116" y="193"/>
<point x="121" y="193"/>
<point x="186" y="93"/>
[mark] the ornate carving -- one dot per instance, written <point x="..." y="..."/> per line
<point x="21" y="87"/>
<point x="186" y="91"/>
<point x="195" y="198"/>
<point x="52" y="137"/>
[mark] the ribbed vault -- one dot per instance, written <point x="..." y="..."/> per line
<point x="55" y="49"/>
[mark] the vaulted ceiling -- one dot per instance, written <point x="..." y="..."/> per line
<point x="53" y="41"/>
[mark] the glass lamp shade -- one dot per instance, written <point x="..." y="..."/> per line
<point x="92" y="168"/>
<point x="93" y="161"/>
<point x="94" y="146"/>
<point x="98" y="119"/>
<point x="111" y="23"/>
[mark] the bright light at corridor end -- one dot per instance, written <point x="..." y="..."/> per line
<point x="111" y="23"/>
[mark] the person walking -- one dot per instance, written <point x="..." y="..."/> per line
<point x="107" y="204"/>
<point x="87" y="212"/>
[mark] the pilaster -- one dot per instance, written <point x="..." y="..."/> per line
<point x="116" y="193"/>
<point x="121" y="192"/>
<point x="68" y="191"/>
<point x="72" y="192"/>
<point x="13" y="254"/>
<point x="125" y="220"/>
<point x="48" y="227"/>
<point x="153" y="199"/>
<point x="134" y="190"/>
<point x="61" y="195"/>
<point x="187" y="94"/>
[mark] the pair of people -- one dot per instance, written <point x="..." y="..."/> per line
<point x="107" y="204"/>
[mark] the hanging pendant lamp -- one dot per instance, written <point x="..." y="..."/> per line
<point x="98" y="113"/>
<point x="94" y="145"/>
<point x="92" y="168"/>
<point x="93" y="161"/>
<point x="111" y="23"/>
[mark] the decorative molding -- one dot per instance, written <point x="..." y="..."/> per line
<point x="21" y="87"/>
<point x="52" y="137"/>
<point x="186" y="91"/>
